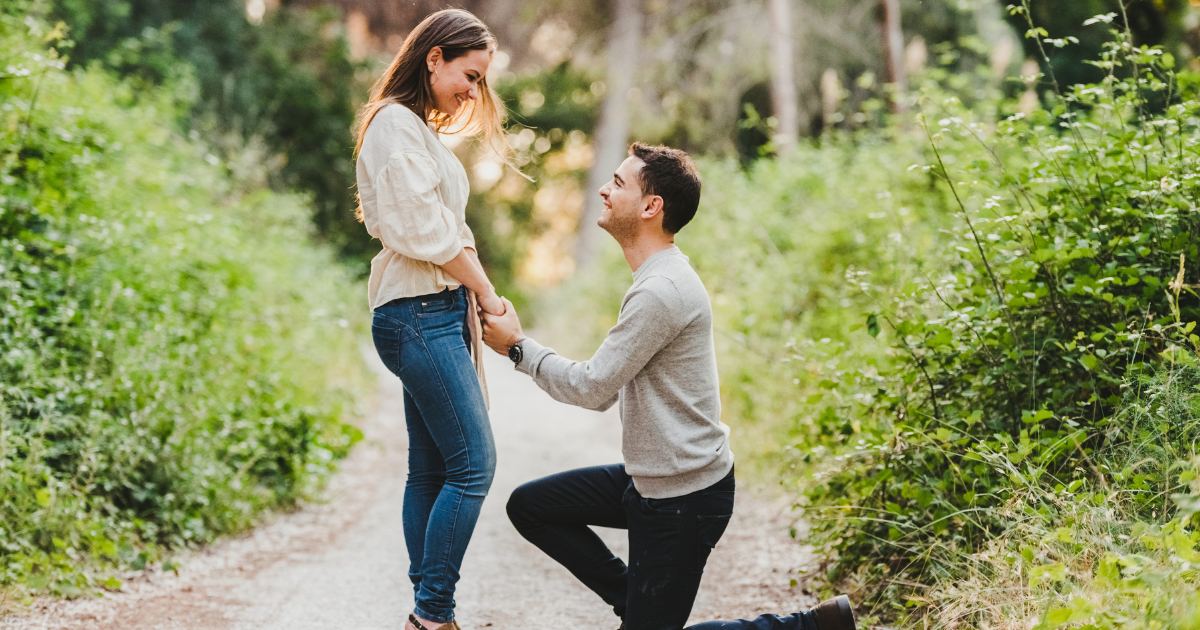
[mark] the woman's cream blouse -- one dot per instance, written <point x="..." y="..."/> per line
<point x="413" y="192"/>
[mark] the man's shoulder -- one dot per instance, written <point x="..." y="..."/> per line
<point x="675" y="284"/>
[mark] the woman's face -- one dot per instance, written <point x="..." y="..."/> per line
<point x="457" y="81"/>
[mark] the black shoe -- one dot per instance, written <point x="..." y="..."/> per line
<point x="835" y="614"/>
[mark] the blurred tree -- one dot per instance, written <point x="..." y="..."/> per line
<point x="287" y="81"/>
<point x="612" y="130"/>
<point x="382" y="25"/>
<point x="783" y="77"/>
<point x="525" y="231"/>
<point x="894" y="37"/>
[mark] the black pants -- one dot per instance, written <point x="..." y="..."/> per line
<point x="669" y="543"/>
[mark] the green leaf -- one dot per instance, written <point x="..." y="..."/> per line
<point x="1047" y="573"/>
<point x="872" y="325"/>
<point x="942" y="338"/>
<point x="43" y="497"/>
<point x="1089" y="361"/>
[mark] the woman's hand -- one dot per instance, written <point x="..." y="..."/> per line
<point x="491" y="304"/>
<point x="466" y="269"/>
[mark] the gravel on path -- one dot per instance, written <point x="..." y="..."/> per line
<point x="342" y="565"/>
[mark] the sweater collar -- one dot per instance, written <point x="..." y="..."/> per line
<point x="654" y="259"/>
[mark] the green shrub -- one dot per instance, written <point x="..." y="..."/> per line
<point x="1068" y="276"/>
<point x="287" y="83"/>
<point x="175" y="354"/>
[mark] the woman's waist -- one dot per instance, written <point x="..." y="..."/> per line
<point x="394" y="276"/>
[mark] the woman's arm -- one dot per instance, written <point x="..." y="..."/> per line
<point x="466" y="269"/>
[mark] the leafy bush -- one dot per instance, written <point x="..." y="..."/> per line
<point x="1069" y="275"/>
<point x="288" y="83"/>
<point x="175" y="355"/>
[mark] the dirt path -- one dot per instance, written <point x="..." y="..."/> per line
<point x="342" y="565"/>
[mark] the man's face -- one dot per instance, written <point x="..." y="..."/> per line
<point x="623" y="201"/>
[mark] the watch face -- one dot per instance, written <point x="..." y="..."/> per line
<point x="514" y="353"/>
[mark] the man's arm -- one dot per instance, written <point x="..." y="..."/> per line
<point x="649" y="320"/>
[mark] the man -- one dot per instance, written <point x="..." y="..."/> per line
<point x="674" y="494"/>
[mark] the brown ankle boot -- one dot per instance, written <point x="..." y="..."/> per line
<point x="452" y="625"/>
<point x="835" y="614"/>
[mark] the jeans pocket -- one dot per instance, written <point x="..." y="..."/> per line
<point x="436" y="303"/>
<point x="709" y="529"/>
<point x="665" y="507"/>
<point x="387" y="333"/>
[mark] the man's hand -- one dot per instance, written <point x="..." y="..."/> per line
<point x="501" y="332"/>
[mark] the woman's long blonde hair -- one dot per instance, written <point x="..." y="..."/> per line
<point x="406" y="82"/>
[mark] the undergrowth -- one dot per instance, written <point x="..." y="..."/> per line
<point x="176" y="356"/>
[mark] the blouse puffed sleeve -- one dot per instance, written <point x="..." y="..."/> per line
<point x="467" y="237"/>
<point x="411" y="218"/>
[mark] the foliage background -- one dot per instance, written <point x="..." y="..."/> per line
<point x="173" y="346"/>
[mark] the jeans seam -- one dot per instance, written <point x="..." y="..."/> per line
<point x="445" y="560"/>
<point x="395" y="321"/>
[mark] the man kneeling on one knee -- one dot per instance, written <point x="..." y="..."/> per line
<point x="674" y="493"/>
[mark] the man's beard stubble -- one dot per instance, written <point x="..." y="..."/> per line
<point x="622" y="227"/>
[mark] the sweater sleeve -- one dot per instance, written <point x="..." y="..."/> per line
<point x="409" y="216"/>
<point x="648" y="322"/>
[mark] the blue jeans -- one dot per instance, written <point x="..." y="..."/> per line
<point x="451" y="453"/>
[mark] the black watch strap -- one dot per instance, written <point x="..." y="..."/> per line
<point x="514" y="353"/>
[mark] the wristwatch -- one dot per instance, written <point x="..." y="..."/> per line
<point x="514" y="353"/>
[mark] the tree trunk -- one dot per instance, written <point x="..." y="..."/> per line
<point x="894" y="39"/>
<point x="612" y="129"/>
<point x="783" y="77"/>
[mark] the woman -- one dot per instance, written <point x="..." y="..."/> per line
<point x="425" y="286"/>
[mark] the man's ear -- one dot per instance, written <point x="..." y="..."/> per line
<point x="654" y="205"/>
<point x="434" y="56"/>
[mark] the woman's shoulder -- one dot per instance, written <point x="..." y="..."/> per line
<point x="398" y="116"/>
<point x="393" y="128"/>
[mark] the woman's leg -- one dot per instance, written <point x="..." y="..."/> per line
<point x="426" y="476"/>
<point x="426" y="470"/>
<point x="438" y="375"/>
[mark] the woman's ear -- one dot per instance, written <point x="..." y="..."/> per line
<point x="433" y="58"/>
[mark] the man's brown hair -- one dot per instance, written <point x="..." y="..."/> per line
<point x="670" y="174"/>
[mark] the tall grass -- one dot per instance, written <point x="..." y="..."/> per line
<point x="1117" y="552"/>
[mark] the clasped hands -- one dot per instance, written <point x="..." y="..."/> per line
<point x="501" y="332"/>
